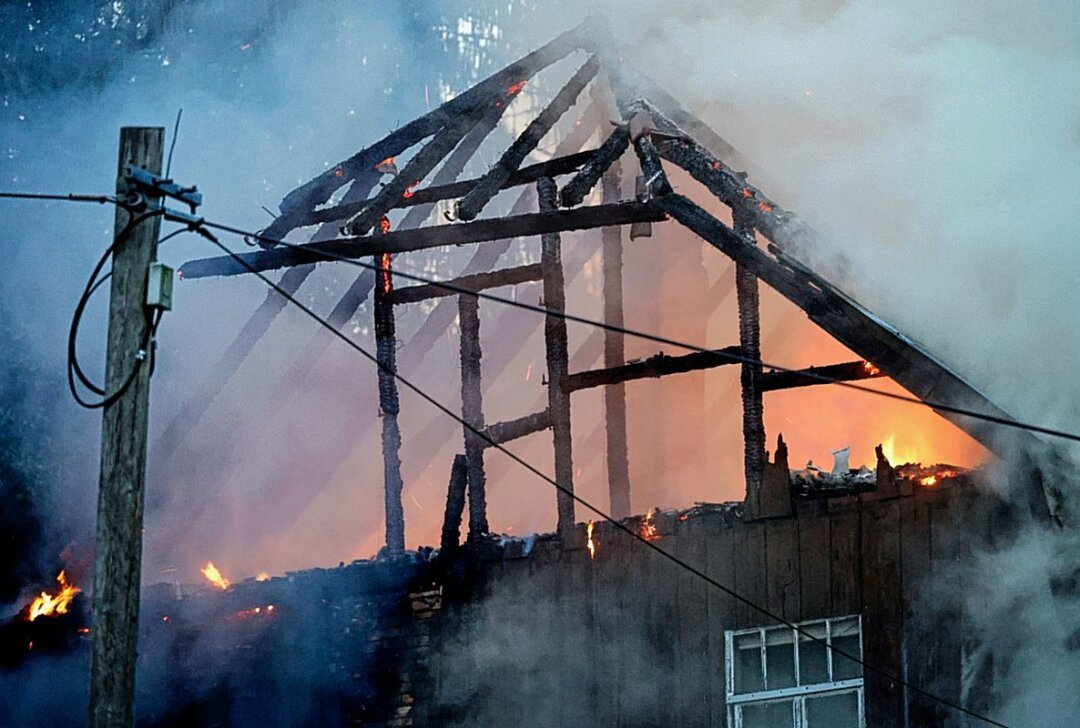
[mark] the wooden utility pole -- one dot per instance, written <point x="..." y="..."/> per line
<point x="118" y="553"/>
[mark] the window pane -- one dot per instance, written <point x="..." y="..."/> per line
<point x="748" y="663"/>
<point x="780" y="666"/>
<point x="833" y="711"/>
<point x="813" y="664"/>
<point x="768" y="715"/>
<point x="843" y="668"/>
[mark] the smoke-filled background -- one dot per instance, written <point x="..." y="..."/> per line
<point x="934" y="145"/>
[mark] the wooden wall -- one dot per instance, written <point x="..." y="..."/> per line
<point x="629" y="639"/>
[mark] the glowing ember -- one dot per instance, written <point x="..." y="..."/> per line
<point x="648" y="528"/>
<point x="384" y="224"/>
<point x="589" y="540"/>
<point x="46" y="604"/>
<point x="385" y="283"/>
<point x="254" y="612"/>
<point x="339" y="172"/>
<point x="409" y="190"/>
<point x="716" y="164"/>
<point x="747" y="192"/>
<point x="764" y="208"/>
<point x="262" y="576"/>
<point x="387" y="166"/>
<point x="515" y="88"/>
<point x="214" y="576"/>
<point x="928" y="481"/>
<point x="870" y="368"/>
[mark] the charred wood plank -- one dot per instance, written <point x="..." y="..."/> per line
<point x="473" y="203"/>
<point x="502" y="432"/>
<point x="845" y="372"/>
<point x="455" y="504"/>
<point x="556" y="347"/>
<point x="386" y="353"/>
<point x="439" y="192"/>
<point x="472" y="412"/>
<point x="303" y="199"/>
<point x="617" y="451"/>
<point x="608" y="154"/>
<point x="414" y="172"/>
<point x="658" y="365"/>
<point x="753" y="421"/>
<point x="475" y="282"/>
<point x="400" y="241"/>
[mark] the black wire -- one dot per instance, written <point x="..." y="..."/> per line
<point x="74" y="369"/>
<point x="172" y="146"/>
<point x="100" y="199"/>
<point x="739" y="358"/>
<point x="569" y="493"/>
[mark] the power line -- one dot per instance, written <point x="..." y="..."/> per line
<point x="71" y="197"/>
<point x="610" y="519"/>
<point x="738" y="358"/>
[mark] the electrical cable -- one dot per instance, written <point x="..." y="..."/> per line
<point x="74" y="369"/>
<point x="172" y="145"/>
<point x="71" y="197"/>
<point x="737" y="358"/>
<point x="578" y="499"/>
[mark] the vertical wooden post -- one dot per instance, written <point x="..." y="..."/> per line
<point x="472" y="411"/>
<point x="558" y="361"/>
<point x="746" y="286"/>
<point x="386" y="354"/>
<point x="121" y="490"/>
<point x="618" y="463"/>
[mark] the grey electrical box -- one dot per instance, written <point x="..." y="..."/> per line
<point x="159" y="286"/>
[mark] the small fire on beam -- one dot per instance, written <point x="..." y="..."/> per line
<point x="648" y="528"/>
<point x="214" y="576"/>
<point x="870" y="369"/>
<point x="46" y="604"/>
<point x="589" y="540"/>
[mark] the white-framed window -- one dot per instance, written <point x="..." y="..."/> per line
<point x="776" y="677"/>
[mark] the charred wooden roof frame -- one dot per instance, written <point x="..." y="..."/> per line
<point x="660" y="130"/>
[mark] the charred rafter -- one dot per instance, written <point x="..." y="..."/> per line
<point x="658" y="365"/>
<point x="306" y="198"/>
<point x="503" y="432"/>
<point x="473" y="203"/>
<point x="846" y="372"/>
<point x="609" y="152"/>
<point x="438" y="192"/>
<point x="475" y="282"/>
<point x="400" y="241"/>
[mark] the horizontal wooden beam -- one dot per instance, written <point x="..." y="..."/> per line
<point x="475" y="282"/>
<point x="845" y="372"/>
<point x="402" y="241"/>
<point x="655" y="366"/>
<point x="502" y="432"/>
<point x="436" y="193"/>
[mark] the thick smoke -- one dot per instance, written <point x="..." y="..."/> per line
<point x="935" y="146"/>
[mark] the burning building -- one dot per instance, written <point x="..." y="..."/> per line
<point x="801" y="605"/>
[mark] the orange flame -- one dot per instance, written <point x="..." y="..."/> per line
<point x="384" y="268"/>
<point x="928" y="481"/>
<point x="764" y="208"/>
<point x="46" y="604"/>
<point x="262" y="576"/>
<point x="384" y="224"/>
<point x="747" y="192"/>
<point x="648" y="528"/>
<point x="589" y="540"/>
<point x="515" y="88"/>
<point x="386" y="165"/>
<point x="870" y="368"/>
<point x="214" y="576"/>
<point x="409" y="190"/>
